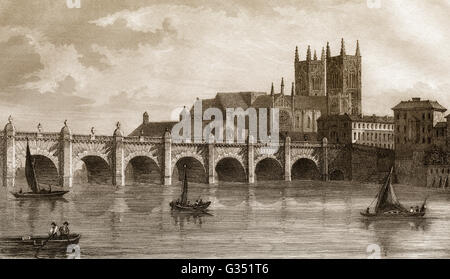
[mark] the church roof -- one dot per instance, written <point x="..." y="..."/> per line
<point x="358" y="118"/>
<point x="152" y="129"/>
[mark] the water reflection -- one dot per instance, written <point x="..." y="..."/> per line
<point x="196" y="219"/>
<point x="266" y="219"/>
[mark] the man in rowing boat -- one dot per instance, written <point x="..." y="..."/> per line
<point x="53" y="230"/>
<point x="64" y="230"/>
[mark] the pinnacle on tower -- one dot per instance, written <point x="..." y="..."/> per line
<point x="357" y="48"/>
<point x="296" y="54"/>
<point x="328" y="50"/>
<point x="322" y="57"/>
<point x="282" y="86"/>
<point x="308" y="54"/>
<point x="292" y="89"/>
<point x="272" y="92"/>
<point x="315" y="55"/>
<point x="342" y="47"/>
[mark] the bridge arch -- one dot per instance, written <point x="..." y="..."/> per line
<point x="142" y="169"/>
<point x="46" y="169"/>
<point x="93" y="169"/>
<point x="336" y="174"/>
<point x="230" y="169"/>
<point x="305" y="168"/>
<point x="268" y="168"/>
<point x="196" y="171"/>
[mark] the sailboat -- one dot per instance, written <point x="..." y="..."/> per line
<point x="36" y="191"/>
<point x="388" y="204"/>
<point x="183" y="204"/>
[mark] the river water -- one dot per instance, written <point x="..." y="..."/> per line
<point x="299" y="219"/>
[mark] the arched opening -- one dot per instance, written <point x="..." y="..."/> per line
<point x="337" y="175"/>
<point x="268" y="169"/>
<point x="305" y="169"/>
<point x="142" y="169"/>
<point x="230" y="170"/>
<point x="195" y="170"/>
<point x="46" y="172"/>
<point x="94" y="171"/>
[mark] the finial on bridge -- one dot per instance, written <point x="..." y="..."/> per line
<point x="117" y="131"/>
<point x="10" y="119"/>
<point x="39" y="127"/>
<point x="65" y="122"/>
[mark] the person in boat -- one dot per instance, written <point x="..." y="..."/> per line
<point x="53" y="229"/>
<point x="411" y="209"/>
<point x="417" y="208"/>
<point x="64" y="230"/>
<point x="422" y="209"/>
<point x="200" y="202"/>
<point x="368" y="210"/>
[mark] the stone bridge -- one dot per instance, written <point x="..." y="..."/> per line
<point x="65" y="159"/>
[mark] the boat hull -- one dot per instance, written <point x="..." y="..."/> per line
<point x="393" y="215"/>
<point x="191" y="208"/>
<point x="32" y="195"/>
<point x="37" y="241"/>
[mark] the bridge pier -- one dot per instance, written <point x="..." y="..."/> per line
<point x="65" y="157"/>
<point x="287" y="159"/>
<point x="251" y="160"/>
<point x="211" y="160"/>
<point x="117" y="165"/>
<point x="167" y="158"/>
<point x="9" y="155"/>
<point x="325" y="159"/>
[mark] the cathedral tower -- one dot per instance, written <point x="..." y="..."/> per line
<point x="309" y="74"/>
<point x="343" y="83"/>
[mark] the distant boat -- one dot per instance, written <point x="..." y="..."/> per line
<point x="30" y="174"/>
<point x="183" y="204"/>
<point x="388" y="204"/>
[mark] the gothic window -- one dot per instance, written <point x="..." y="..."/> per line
<point x="351" y="79"/>
<point x="309" y="122"/>
<point x="317" y="83"/>
<point x="334" y="80"/>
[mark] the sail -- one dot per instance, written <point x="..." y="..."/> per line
<point x="185" y="189"/>
<point x="387" y="199"/>
<point x="30" y="173"/>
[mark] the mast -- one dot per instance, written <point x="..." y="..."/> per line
<point x="30" y="173"/>
<point x="185" y="188"/>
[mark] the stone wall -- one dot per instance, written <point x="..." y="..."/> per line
<point x="371" y="164"/>
<point x="411" y="170"/>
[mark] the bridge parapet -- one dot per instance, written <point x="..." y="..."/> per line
<point x="69" y="151"/>
<point x="36" y="136"/>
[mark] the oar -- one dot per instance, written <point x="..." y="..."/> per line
<point x="40" y="247"/>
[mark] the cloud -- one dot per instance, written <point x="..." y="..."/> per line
<point x="122" y="57"/>
<point x="18" y="60"/>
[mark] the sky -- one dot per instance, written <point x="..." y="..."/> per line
<point x="111" y="60"/>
